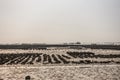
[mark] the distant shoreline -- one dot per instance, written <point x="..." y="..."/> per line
<point x="45" y="46"/>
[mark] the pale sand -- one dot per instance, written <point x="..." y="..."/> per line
<point x="81" y="72"/>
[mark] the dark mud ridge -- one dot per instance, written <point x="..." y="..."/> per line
<point x="68" y="58"/>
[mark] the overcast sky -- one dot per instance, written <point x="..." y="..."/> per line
<point x="58" y="21"/>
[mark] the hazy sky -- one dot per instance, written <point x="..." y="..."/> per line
<point x="58" y="21"/>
